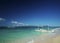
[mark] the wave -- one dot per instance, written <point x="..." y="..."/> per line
<point x="32" y="41"/>
<point x="43" y="30"/>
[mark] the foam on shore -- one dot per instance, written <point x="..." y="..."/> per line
<point x="50" y="37"/>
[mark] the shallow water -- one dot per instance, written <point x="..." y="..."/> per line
<point x="6" y="35"/>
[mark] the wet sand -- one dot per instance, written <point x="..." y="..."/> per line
<point x="40" y="39"/>
<point x="37" y="39"/>
<point x="52" y="40"/>
<point x="44" y="38"/>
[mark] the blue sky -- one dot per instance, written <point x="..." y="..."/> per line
<point x="32" y="12"/>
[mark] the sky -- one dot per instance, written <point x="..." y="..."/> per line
<point x="30" y="12"/>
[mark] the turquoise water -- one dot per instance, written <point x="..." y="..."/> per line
<point x="17" y="34"/>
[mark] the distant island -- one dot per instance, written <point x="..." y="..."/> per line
<point x="28" y="27"/>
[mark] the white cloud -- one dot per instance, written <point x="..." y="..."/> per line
<point x="16" y="23"/>
<point x="21" y="23"/>
<point x="2" y="19"/>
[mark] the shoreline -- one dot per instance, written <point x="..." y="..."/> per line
<point x="43" y="38"/>
<point x="37" y="39"/>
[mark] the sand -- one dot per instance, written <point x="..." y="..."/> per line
<point x="36" y="40"/>
<point x="53" y="40"/>
<point x="46" y="38"/>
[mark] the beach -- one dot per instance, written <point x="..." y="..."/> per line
<point x="37" y="40"/>
<point x="28" y="36"/>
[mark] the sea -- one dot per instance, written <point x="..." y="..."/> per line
<point x="8" y="35"/>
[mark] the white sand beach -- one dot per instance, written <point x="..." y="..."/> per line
<point x="36" y="40"/>
<point x="44" y="38"/>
